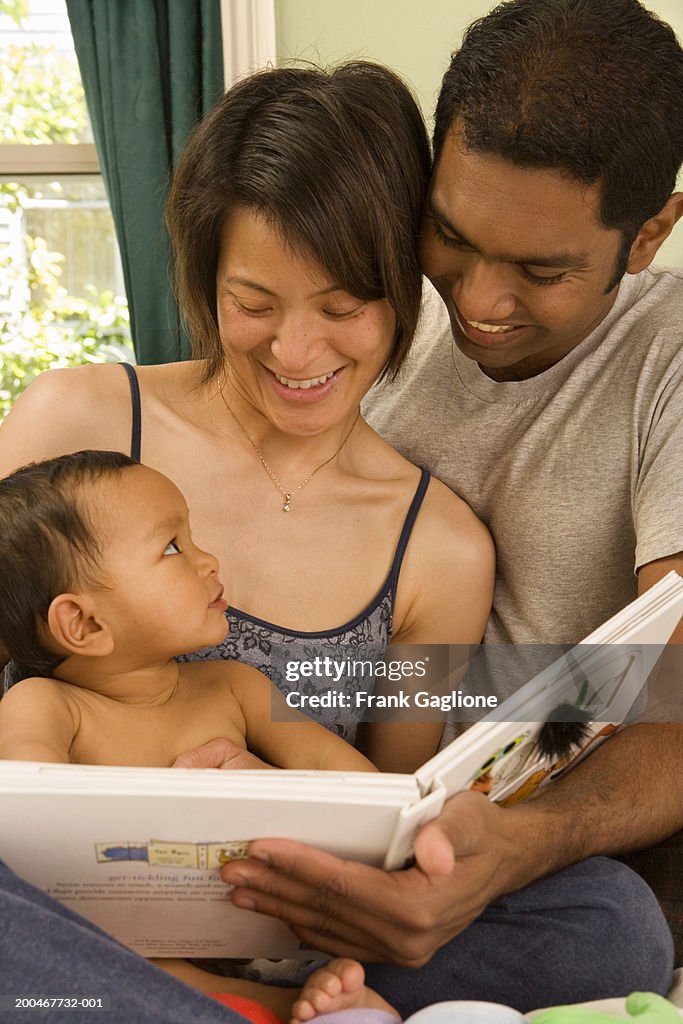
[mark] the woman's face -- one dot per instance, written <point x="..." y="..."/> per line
<point x="299" y="348"/>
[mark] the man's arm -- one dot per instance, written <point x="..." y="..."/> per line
<point x="36" y="723"/>
<point x="617" y="799"/>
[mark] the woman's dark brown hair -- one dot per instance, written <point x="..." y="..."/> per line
<point x="337" y="161"/>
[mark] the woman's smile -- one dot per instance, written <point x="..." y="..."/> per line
<point x="311" y="389"/>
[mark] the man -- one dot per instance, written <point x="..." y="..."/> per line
<point x="558" y="415"/>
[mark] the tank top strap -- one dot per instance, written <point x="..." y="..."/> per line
<point x="415" y="506"/>
<point x="136" y="431"/>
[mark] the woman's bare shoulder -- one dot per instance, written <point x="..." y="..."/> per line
<point x="443" y="511"/>
<point x="448" y="515"/>
<point x="446" y="585"/>
<point x="451" y="539"/>
<point x="446" y="532"/>
<point x="68" y="409"/>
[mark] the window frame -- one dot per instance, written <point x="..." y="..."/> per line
<point x="51" y="158"/>
<point x="249" y="42"/>
<point x="249" y="37"/>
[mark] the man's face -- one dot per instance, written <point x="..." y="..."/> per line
<point x="520" y="258"/>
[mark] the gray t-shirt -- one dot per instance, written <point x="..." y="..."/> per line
<point x="577" y="472"/>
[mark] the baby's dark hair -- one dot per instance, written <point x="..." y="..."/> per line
<point x="47" y="546"/>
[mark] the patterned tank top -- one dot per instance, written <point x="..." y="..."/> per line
<point x="270" y="648"/>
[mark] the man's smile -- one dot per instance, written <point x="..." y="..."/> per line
<point x="484" y="334"/>
<point x="490" y="328"/>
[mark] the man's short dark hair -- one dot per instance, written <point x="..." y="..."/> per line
<point x="592" y="88"/>
<point x="47" y="546"/>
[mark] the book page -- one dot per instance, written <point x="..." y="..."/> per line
<point x="143" y="862"/>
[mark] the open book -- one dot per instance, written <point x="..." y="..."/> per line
<point x="138" y="850"/>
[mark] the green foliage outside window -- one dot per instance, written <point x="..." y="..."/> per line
<point x="41" y="101"/>
<point x="41" y="96"/>
<point x="57" y="330"/>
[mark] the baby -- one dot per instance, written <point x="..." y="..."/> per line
<point x="101" y="586"/>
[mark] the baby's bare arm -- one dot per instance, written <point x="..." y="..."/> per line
<point x="294" y="741"/>
<point x="36" y="722"/>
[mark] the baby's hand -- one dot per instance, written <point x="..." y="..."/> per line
<point x="219" y="753"/>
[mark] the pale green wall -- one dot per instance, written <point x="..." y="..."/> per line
<point x="415" y="37"/>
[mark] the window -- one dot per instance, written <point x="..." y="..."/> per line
<point x="61" y="284"/>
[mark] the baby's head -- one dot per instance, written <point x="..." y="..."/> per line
<point x="49" y="545"/>
<point x="85" y="541"/>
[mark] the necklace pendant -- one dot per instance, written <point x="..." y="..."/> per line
<point x="286" y="507"/>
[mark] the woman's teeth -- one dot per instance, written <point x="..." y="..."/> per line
<point x="311" y="383"/>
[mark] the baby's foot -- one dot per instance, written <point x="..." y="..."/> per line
<point x="339" y="985"/>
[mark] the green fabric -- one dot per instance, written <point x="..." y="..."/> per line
<point x="641" y="1007"/>
<point x="150" y="69"/>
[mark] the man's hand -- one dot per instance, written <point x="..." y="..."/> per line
<point x="350" y="909"/>
<point x="219" y="753"/>
<point x="472" y="854"/>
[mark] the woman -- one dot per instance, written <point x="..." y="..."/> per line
<point x="293" y="216"/>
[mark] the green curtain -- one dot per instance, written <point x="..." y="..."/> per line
<point x="150" y="69"/>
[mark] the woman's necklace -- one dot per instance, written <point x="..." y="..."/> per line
<point x="286" y="495"/>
